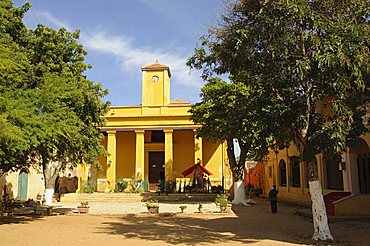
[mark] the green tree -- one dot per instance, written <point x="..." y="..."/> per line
<point x="52" y="111"/>
<point x="303" y="53"/>
<point x="15" y="105"/>
<point x="233" y="111"/>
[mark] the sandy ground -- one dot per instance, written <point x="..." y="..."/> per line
<point x="253" y="225"/>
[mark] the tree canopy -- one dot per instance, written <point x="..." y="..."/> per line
<point x="311" y="60"/>
<point x="302" y="53"/>
<point x="49" y="110"/>
<point x="233" y="111"/>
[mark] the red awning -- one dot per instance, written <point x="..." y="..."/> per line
<point x="192" y="168"/>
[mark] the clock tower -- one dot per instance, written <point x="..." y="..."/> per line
<point x="155" y="85"/>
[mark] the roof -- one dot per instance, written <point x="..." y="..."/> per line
<point x="156" y="66"/>
<point x="179" y="102"/>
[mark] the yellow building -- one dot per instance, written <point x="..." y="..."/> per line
<point x="345" y="179"/>
<point x="148" y="141"/>
<point x="155" y="139"/>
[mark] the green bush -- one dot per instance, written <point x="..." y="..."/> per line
<point x="170" y="186"/>
<point x="88" y="186"/>
<point x="135" y="185"/>
<point x="222" y="200"/>
<point x="121" y="185"/>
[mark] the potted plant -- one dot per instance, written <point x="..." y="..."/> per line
<point x="224" y="203"/>
<point x="152" y="206"/>
<point x="183" y="207"/>
<point x="84" y="208"/>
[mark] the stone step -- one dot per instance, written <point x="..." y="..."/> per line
<point x="192" y="197"/>
<point x="109" y="197"/>
<point x="160" y="197"/>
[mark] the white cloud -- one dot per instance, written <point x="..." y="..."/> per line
<point x="131" y="58"/>
<point x="49" y="17"/>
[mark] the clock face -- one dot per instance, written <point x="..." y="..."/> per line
<point x="155" y="79"/>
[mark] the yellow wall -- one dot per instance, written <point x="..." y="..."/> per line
<point x="155" y="93"/>
<point x="35" y="185"/>
<point x="212" y="157"/>
<point x="102" y="172"/>
<point x="125" y="154"/>
<point x="183" y="151"/>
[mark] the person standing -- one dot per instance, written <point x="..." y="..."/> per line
<point x="273" y="198"/>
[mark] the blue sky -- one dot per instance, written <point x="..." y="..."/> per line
<point x="122" y="36"/>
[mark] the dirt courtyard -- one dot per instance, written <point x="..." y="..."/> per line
<point x="253" y="225"/>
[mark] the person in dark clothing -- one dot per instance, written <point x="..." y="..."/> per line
<point x="273" y="199"/>
<point x="162" y="180"/>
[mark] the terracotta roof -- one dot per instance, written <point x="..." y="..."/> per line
<point x="157" y="66"/>
<point x="178" y="101"/>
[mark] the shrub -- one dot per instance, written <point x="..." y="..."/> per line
<point x="121" y="185"/>
<point x="222" y="200"/>
<point x="84" y="204"/>
<point x="151" y="203"/>
<point x="88" y="186"/>
<point x="135" y="185"/>
<point x="170" y="186"/>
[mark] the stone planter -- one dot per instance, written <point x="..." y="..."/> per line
<point x="83" y="209"/>
<point x="226" y="209"/>
<point x="153" y="210"/>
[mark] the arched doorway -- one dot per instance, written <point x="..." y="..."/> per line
<point x="282" y="173"/>
<point x="295" y="171"/>
<point x="22" y="185"/>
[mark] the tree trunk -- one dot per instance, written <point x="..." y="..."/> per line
<point x="237" y="170"/>
<point x="319" y="216"/>
<point x="239" y="195"/>
<point x="50" y="175"/>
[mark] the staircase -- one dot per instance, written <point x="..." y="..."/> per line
<point x="109" y="197"/>
<point x="330" y="198"/>
<point x="179" y="197"/>
<point x="132" y="197"/>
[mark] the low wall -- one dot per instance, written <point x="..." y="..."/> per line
<point x="354" y="205"/>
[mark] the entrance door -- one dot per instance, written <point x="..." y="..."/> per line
<point x="156" y="168"/>
<point x="334" y="176"/>
<point x="22" y="185"/>
<point x="363" y="163"/>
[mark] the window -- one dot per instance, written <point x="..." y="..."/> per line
<point x="296" y="174"/>
<point x="282" y="173"/>
<point x="157" y="137"/>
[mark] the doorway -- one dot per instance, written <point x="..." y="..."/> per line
<point x="156" y="168"/>
<point x="22" y="185"/>
<point x="363" y="163"/>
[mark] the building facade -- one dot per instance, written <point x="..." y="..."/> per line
<point x="152" y="141"/>
<point x="155" y="139"/>
<point x="345" y="179"/>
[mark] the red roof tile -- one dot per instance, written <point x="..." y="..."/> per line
<point x="178" y="101"/>
<point x="157" y="66"/>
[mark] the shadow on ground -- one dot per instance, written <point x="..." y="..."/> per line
<point x="26" y="214"/>
<point x="250" y="225"/>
